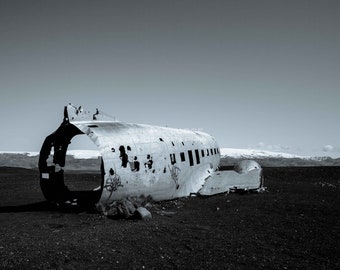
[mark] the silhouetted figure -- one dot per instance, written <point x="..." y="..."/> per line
<point x="95" y="115"/>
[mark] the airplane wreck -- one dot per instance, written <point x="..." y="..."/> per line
<point x="140" y="161"/>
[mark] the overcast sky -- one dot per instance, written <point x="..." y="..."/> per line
<point x="254" y="74"/>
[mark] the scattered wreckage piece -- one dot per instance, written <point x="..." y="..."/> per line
<point x="246" y="175"/>
<point x="139" y="161"/>
<point x="127" y="208"/>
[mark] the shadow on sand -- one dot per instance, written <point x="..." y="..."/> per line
<point x="46" y="206"/>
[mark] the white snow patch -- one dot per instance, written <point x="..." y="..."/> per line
<point x="83" y="154"/>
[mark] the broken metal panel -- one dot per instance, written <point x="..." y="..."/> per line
<point x="193" y="180"/>
<point x="247" y="177"/>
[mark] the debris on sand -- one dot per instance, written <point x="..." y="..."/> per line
<point x="143" y="213"/>
<point x="127" y="208"/>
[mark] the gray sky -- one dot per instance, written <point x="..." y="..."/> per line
<point x="258" y="74"/>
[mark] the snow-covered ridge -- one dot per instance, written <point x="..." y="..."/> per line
<point x="255" y="153"/>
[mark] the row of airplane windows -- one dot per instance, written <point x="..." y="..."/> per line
<point x="204" y="152"/>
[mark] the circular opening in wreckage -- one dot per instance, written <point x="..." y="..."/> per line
<point x="82" y="174"/>
<point x="82" y="165"/>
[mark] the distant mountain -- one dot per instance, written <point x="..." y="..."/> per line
<point x="19" y="159"/>
<point x="229" y="156"/>
<point x="251" y="153"/>
<point x="90" y="159"/>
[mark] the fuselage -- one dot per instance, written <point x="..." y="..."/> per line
<point x="144" y="160"/>
<point x="137" y="160"/>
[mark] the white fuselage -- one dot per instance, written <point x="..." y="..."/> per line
<point x="143" y="160"/>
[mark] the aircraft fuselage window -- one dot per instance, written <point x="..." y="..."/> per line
<point x="215" y="151"/>
<point x="197" y="156"/>
<point x="173" y="159"/>
<point x="135" y="165"/>
<point x="191" y="160"/>
<point x="207" y="152"/>
<point x="182" y="156"/>
<point x="123" y="156"/>
<point x="202" y="151"/>
<point x="211" y="151"/>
